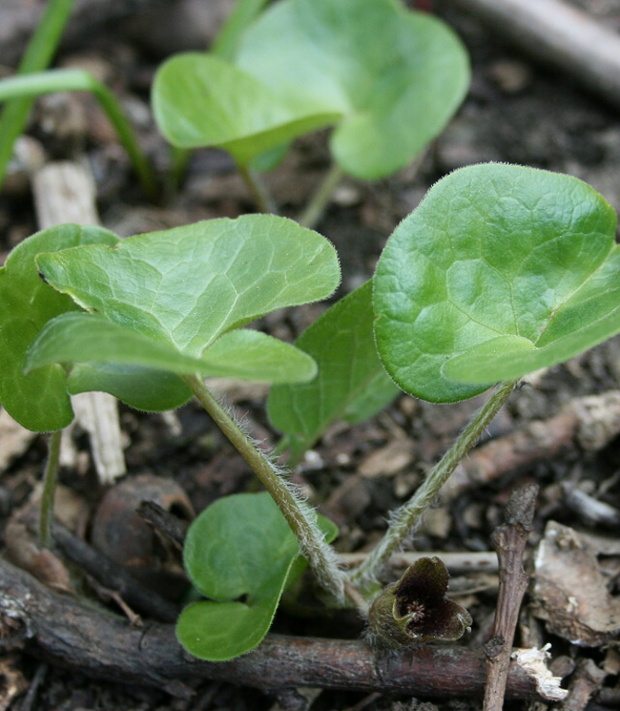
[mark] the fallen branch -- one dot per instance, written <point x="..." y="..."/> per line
<point x="66" y="633"/>
<point x="557" y="34"/>
<point x="113" y="577"/>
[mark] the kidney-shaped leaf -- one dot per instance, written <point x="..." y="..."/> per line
<point x="351" y="383"/>
<point x="39" y="400"/>
<point x="501" y="270"/>
<point x="239" y="553"/>
<point x="171" y="300"/>
<point x="201" y="100"/>
<point x="395" y="76"/>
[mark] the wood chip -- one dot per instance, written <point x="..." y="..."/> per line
<point x="570" y="591"/>
<point x="15" y="439"/>
<point x="388" y="460"/>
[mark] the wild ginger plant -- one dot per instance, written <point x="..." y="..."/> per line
<point x="387" y="79"/>
<point x="501" y="270"/>
<point x="39" y="400"/>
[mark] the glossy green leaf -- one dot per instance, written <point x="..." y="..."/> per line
<point x="89" y="338"/>
<point x="394" y="76"/>
<point x="142" y="388"/>
<point x="239" y="552"/>
<point x="201" y="100"/>
<point x="388" y="78"/>
<point x="501" y="270"/>
<point x="39" y="400"/>
<point x="171" y="300"/>
<point x="101" y="355"/>
<point x="252" y="355"/>
<point x="351" y="384"/>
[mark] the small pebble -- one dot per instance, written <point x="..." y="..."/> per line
<point x="510" y="75"/>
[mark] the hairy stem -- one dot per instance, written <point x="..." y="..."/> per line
<point x="316" y="207"/>
<point x="50" y="478"/>
<point x="405" y="519"/>
<point x="258" y="191"/>
<point x="300" y="517"/>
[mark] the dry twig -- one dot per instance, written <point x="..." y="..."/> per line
<point x="509" y="540"/>
<point x="557" y="34"/>
<point x="66" y="633"/>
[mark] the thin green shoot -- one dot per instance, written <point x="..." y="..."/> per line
<point x="37" y="56"/>
<point x="242" y="15"/>
<point x="50" y="480"/>
<point x="55" y="80"/>
<point x="261" y="196"/>
<point x="322" y="197"/>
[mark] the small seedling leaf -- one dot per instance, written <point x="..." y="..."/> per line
<point x="172" y="300"/>
<point x="392" y="76"/>
<point x="500" y="271"/>
<point x="38" y="400"/>
<point x="351" y="383"/>
<point x="239" y="553"/>
<point x="201" y="100"/>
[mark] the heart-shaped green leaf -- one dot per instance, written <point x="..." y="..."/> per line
<point x="201" y="100"/>
<point x="351" y="383"/>
<point x="38" y="401"/>
<point x="172" y="301"/>
<point x="395" y="77"/>
<point x="389" y="78"/>
<point x="239" y="547"/>
<point x="501" y="270"/>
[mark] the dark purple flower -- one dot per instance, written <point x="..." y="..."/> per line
<point x="415" y="609"/>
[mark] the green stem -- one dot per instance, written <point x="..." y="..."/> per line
<point x="405" y="520"/>
<point x="318" y="202"/>
<point x="180" y="159"/>
<point x="80" y="80"/>
<point x="300" y="517"/>
<point x="263" y="200"/>
<point x="37" y="56"/>
<point x="241" y="17"/>
<point x="50" y="478"/>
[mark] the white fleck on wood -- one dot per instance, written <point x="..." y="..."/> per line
<point x="534" y="663"/>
